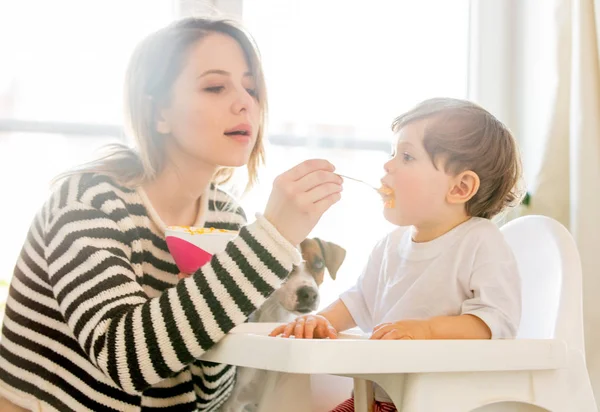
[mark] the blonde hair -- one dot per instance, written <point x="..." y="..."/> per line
<point x="467" y="137"/>
<point x="153" y="68"/>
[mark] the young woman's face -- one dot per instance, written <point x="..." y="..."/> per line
<point x="213" y="115"/>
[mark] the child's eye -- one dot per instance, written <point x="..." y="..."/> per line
<point x="214" y="89"/>
<point x="406" y="157"/>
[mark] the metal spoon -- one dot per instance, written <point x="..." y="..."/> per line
<point x="360" y="181"/>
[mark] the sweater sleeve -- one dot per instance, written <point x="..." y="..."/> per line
<point x="138" y="341"/>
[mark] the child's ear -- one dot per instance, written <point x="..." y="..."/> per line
<point x="463" y="187"/>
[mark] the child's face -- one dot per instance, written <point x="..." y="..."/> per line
<point x="419" y="189"/>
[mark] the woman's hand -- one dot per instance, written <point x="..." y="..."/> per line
<point x="300" y="196"/>
<point x="307" y="327"/>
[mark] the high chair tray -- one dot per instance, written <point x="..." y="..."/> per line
<point x="249" y="345"/>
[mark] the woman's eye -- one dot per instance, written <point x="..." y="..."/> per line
<point x="214" y="89"/>
<point x="252" y="92"/>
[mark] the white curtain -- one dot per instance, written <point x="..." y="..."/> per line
<point x="566" y="182"/>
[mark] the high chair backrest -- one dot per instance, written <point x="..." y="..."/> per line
<point x="550" y="271"/>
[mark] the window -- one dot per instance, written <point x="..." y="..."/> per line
<point x="338" y="72"/>
<point x="341" y="69"/>
<point x="62" y="67"/>
<point x="64" y="60"/>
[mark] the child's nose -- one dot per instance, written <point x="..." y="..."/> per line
<point x="387" y="166"/>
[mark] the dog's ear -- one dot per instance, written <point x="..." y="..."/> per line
<point x="334" y="256"/>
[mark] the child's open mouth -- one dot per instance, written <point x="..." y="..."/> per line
<point x="387" y="194"/>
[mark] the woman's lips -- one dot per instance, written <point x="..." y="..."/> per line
<point x="240" y="138"/>
<point x="241" y="133"/>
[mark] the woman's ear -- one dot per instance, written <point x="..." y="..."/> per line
<point x="162" y="124"/>
<point x="463" y="187"/>
<point x="160" y="116"/>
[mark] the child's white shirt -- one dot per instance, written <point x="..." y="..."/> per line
<point x="469" y="270"/>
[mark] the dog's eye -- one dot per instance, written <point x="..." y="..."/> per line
<point x="318" y="264"/>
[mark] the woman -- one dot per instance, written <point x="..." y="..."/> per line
<point x="97" y="318"/>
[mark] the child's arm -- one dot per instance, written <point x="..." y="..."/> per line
<point x="459" y="327"/>
<point x="339" y="316"/>
<point x="325" y="324"/>
<point x="439" y="327"/>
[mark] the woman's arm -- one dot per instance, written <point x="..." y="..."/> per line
<point x="139" y="341"/>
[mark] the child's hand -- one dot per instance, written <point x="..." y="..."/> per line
<point x="307" y="327"/>
<point x="405" y="329"/>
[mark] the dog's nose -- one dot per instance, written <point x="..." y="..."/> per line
<point x="307" y="296"/>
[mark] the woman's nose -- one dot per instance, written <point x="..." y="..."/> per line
<point x="243" y="101"/>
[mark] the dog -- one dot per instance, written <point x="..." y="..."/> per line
<point x="299" y="295"/>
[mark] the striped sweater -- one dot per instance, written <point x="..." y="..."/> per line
<point x="97" y="319"/>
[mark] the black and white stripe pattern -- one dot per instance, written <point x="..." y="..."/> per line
<point x="98" y="320"/>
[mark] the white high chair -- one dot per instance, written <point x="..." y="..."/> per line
<point x="544" y="367"/>
<point x="550" y="268"/>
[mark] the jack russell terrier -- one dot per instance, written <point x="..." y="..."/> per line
<point x="297" y="296"/>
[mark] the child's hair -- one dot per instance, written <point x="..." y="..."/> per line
<point x="153" y="68"/>
<point x="464" y="136"/>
